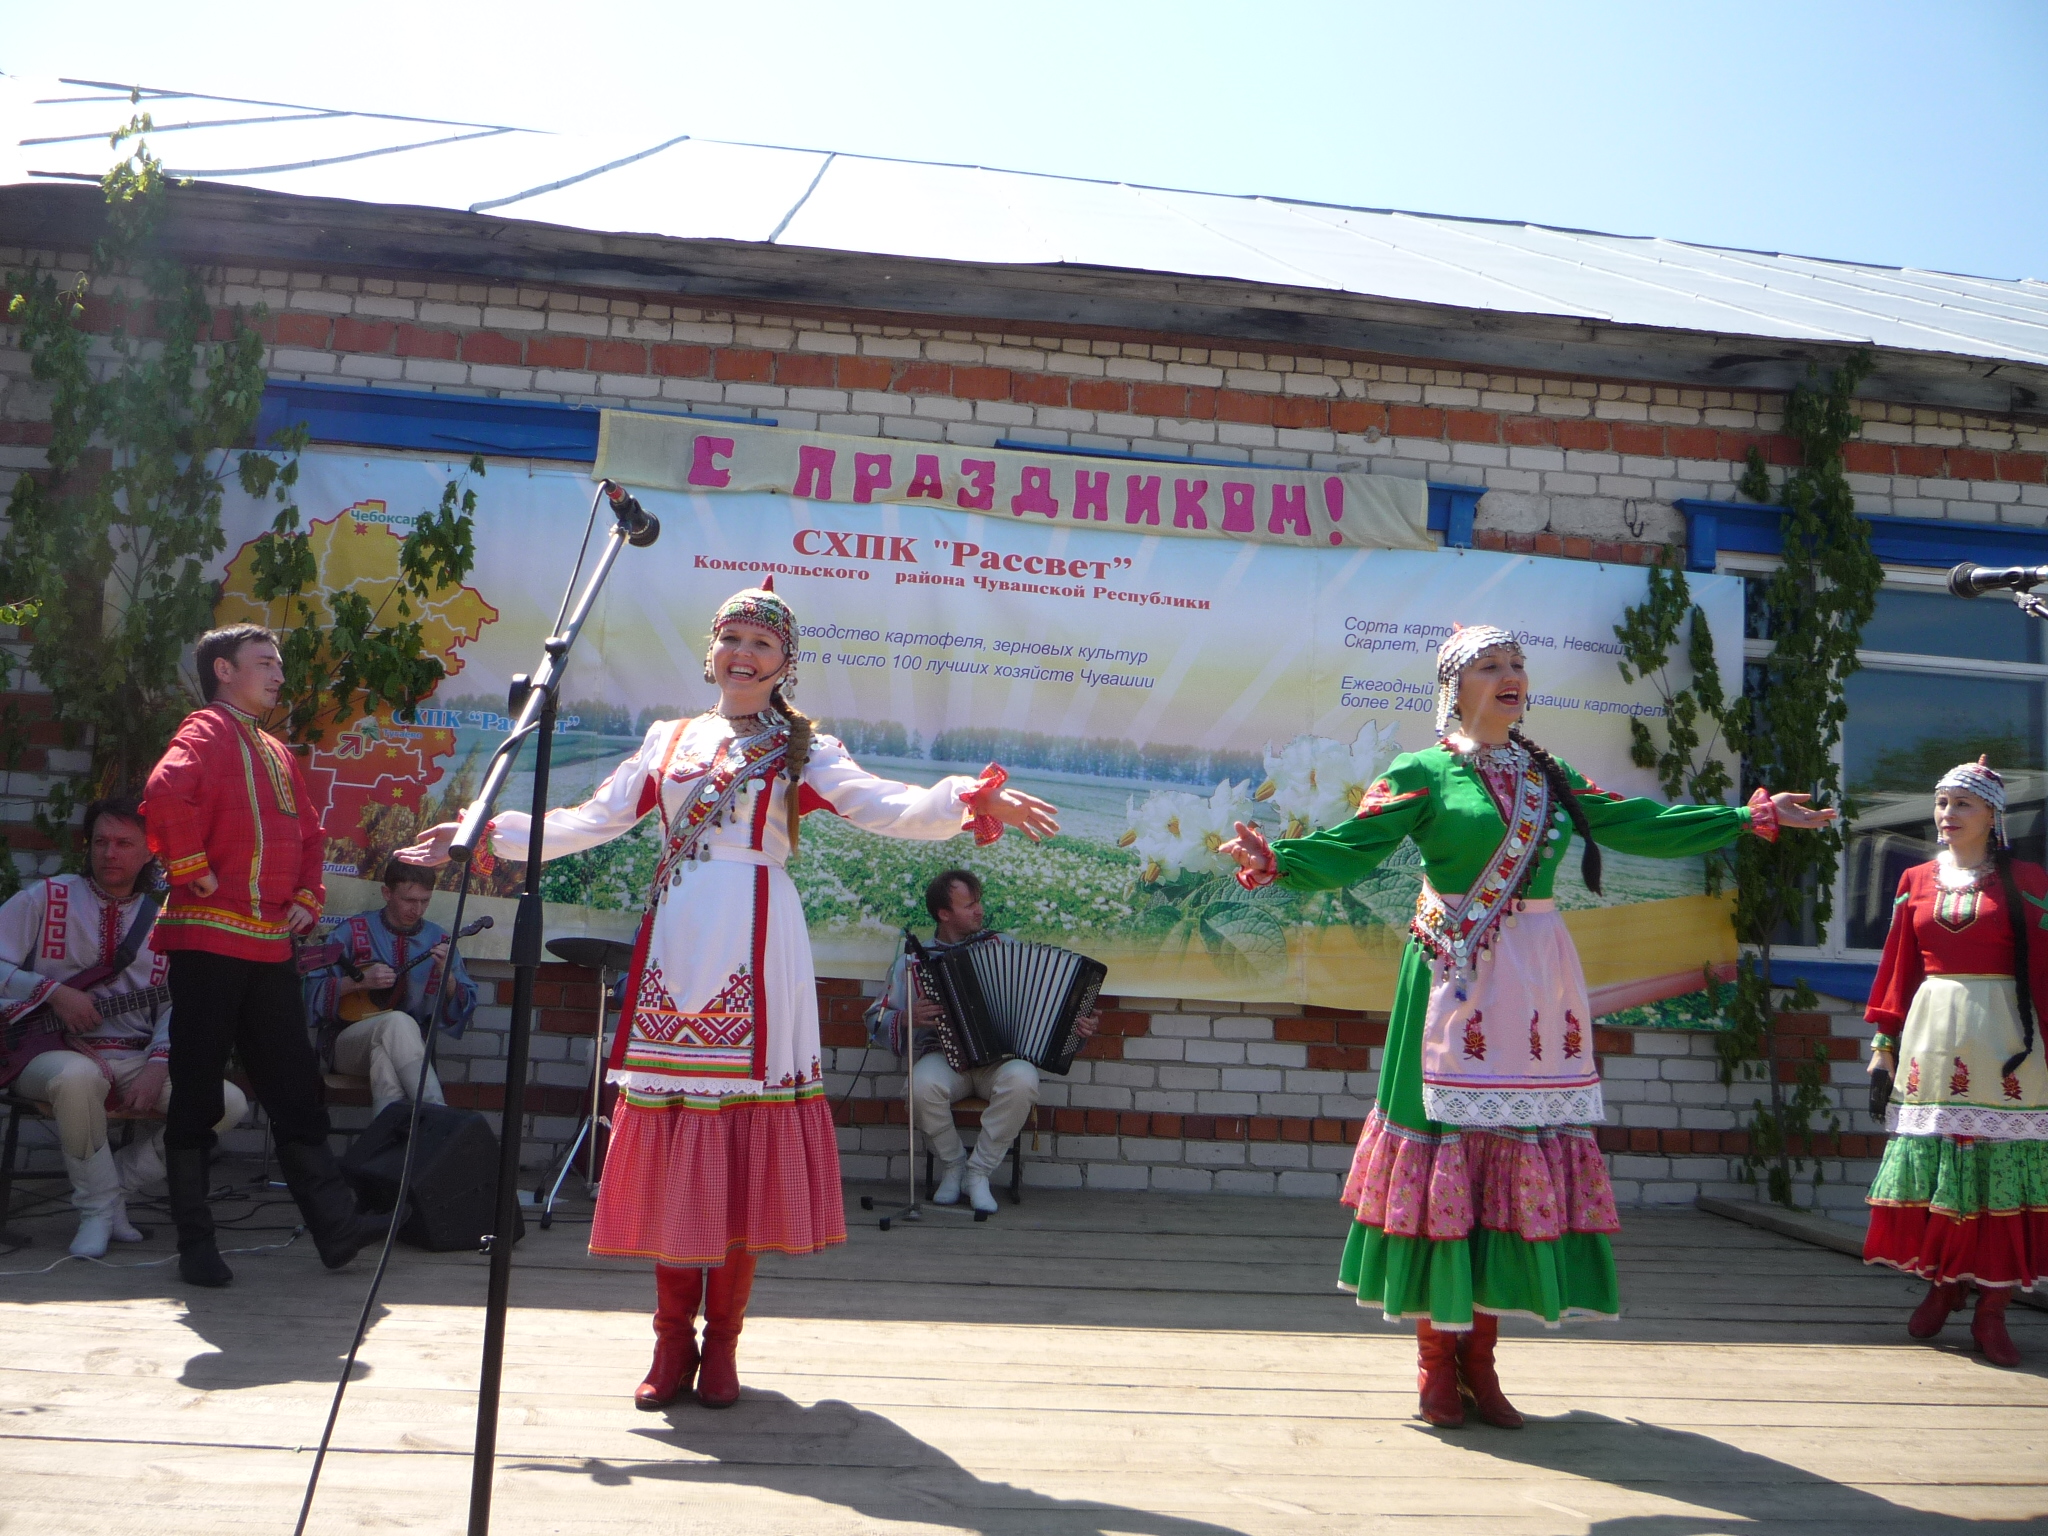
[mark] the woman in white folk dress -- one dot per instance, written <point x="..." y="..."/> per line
<point x="723" y="1145"/>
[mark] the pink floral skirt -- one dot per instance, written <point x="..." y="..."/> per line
<point x="691" y="1183"/>
<point x="1537" y="1184"/>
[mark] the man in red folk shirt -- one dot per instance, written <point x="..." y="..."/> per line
<point x="232" y="822"/>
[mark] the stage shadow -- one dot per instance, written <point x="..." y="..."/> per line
<point x="1699" y="1470"/>
<point x="244" y="1351"/>
<point x="865" y="1463"/>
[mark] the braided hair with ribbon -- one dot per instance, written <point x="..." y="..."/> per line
<point x="1981" y="780"/>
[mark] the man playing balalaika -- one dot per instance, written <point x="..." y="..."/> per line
<point x="370" y="1027"/>
<point x="1010" y="1086"/>
<point x="85" y="1017"/>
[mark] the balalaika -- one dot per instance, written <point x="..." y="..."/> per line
<point x="998" y="1000"/>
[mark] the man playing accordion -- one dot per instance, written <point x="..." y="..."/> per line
<point x="1010" y="1086"/>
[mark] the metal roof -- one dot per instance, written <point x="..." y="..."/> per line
<point x="698" y="189"/>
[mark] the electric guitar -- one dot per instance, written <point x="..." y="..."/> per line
<point x="110" y="1005"/>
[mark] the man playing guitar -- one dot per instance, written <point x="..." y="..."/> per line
<point x="368" y="1024"/>
<point x="79" y="1036"/>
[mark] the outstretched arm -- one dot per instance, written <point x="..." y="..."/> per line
<point x="1657" y="831"/>
<point x="834" y="782"/>
<point x="614" y="808"/>
<point x="1397" y="804"/>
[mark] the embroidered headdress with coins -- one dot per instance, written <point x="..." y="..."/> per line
<point x="1982" y="780"/>
<point x="762" y="606"/>
<point x="1461" y="647"/>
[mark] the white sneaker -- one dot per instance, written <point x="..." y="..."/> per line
<point x="975" y="1183"/>
<point x="948" y="1192"/>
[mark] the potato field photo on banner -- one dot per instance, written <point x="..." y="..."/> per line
<point x="1157" y="687"/>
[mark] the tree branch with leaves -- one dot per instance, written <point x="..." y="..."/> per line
<point x="1786" y="727"/>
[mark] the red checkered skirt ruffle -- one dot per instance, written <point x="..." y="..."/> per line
<point x="693" y="1183"/>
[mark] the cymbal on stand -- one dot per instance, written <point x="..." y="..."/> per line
<point x="593" y="954"/>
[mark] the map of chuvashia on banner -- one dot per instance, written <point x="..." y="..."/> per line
<point x="1157" y="687"/>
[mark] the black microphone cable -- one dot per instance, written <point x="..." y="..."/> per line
<point x="510" y="744"/>
<point x="412" y="1142"/>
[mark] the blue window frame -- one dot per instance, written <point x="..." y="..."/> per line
<point x="1941" y="680"/>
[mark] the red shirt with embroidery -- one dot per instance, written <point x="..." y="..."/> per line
<point x="228" y="799"/>
<point x="1956" y="933"/>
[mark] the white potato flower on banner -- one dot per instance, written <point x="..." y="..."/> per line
<point x="1315" y="782"/>
<point x="1174" y="831"/>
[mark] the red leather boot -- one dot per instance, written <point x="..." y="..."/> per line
<point x="1987" y="1326"/>
<point x="677" y="1291"/>
<point x="1476" y="1379"/>
<point x="725" y="1308"/>
<point x="1931" y="1316"/>
<point x="1436" y="1353"/>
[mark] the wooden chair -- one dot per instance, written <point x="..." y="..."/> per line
<point x="1015" y="1154"/>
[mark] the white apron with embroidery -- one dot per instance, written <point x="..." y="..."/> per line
<point x="724" y="999"/>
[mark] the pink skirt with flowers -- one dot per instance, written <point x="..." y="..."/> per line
<point x="1537" y="1184"/>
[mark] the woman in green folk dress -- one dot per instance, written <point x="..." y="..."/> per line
<point x="1478" y="1189"/>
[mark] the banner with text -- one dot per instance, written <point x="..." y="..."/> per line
<point x="1156" y="688"/>
<point x="1309" y="508"/>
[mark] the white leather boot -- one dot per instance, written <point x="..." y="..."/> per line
<point x="141" y="1162"/>
<point x="96" y="1191"/>
<point x="975" y="1183"/>
<point x="948" y="1192"/>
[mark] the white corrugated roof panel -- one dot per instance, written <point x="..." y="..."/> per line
<point x="695" y="188"/>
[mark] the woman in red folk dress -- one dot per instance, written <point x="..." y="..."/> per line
<point x="723" y="1146"/>
<point x="1961" y="1197"/>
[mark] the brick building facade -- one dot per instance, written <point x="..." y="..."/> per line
<point x="1591" y="464"/>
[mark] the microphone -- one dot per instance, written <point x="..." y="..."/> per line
<point x="1968" y="580"/>
<point x="642" y="527"/>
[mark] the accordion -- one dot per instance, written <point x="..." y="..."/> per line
<point x="1000" y="1000"/>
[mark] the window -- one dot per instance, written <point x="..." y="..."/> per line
<point x="1943" y="679"/>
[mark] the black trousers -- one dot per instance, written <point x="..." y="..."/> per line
<point x="256" y="1007"/>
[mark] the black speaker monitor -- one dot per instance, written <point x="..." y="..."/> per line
<point x="454" y="1175"/>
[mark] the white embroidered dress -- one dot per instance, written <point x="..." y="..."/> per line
<point x="723" y="1136"/>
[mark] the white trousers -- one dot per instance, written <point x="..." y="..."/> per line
<point x="72" y="1085"/>
<point x="386" y="1048"/>
<point x="1011" y="1088"/>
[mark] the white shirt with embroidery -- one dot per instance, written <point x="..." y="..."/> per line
<point x="52" y="929"/>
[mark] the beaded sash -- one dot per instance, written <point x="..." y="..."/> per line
<point x="1455" y="929"/>
<point x="708" y="798"/>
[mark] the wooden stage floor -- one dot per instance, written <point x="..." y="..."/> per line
<point x="1084" y="1365"/>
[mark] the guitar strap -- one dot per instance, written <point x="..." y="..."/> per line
<point x="125" y="952"/>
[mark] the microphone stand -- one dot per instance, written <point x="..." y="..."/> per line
<point x="536" y="697"/>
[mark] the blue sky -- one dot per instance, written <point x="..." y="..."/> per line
<point x="1911" y="135"/>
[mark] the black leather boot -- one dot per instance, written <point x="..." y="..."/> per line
<point x="340" y="1228"/>
<point x="199" y="1261"/>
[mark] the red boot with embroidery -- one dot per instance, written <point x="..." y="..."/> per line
<point x="1931" y="1316"/>
<point x="676" y="1293"/>
<point x="1476" y="1379"/>
<point x="1987" y="1326"/>
<point x="1437" y="1355"/>
<point x="726" y="1291"/>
